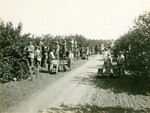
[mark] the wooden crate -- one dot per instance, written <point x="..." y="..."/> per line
<point x="61" y="68"/>
<point x="115" y="72"/>
<point x="100" y="72"/>
<point x="55" y="62"/>
<point x="63" y="62"/>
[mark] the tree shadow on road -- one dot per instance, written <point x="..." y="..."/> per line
<point x="127" y="83"/>
<point x="90" y="109"/>
<point x="44" y="71"/>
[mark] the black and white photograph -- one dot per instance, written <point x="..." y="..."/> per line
<point x="74" y="56"/>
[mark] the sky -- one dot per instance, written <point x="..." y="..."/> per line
<point x="95" y="19"/>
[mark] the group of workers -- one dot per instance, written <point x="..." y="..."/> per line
<point x="107" y="58"/>
<point x="40" y="56"/>
<point x="45" y="56"/>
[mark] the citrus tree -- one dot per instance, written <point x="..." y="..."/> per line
<point x="13" y="61"/>
<point x="138" y="38"/>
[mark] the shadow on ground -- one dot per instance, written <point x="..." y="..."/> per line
<point x="44" y="71"/>
<point x="90" y="109"/>
<point x="127" y="83"/>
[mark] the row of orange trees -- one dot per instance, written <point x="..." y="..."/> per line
<point x="13" y="59"/>
<point x="136" y="45"/>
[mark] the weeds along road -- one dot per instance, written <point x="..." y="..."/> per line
<point x="79" y="87"/>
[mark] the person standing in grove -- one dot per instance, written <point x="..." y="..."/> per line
<point x="45" y="55"/>
<point x="107" y="63"/>
<point x="37" y="57"/>
<point x="75" y="49"/>
<point x="57" y="50"/>
<point x="30" y="56"/>
<point x="42" y="49"/>
<point x="87" y="52"/>
<point x="30" y="51"/>
<point x="120" y="63"/>
<point x="50" y="59"/>
<point x="37" y="60"/>
<point x="64" y="50"/>
<point x="70" y="59"/>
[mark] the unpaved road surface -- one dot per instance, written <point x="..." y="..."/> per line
<point x="79" y="87"/>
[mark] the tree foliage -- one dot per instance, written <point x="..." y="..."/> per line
<point x="138" y="37"/>
<point x="13" y="61"/>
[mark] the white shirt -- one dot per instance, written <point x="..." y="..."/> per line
<point x="52" y="54"/>
<point x="106" y="52"/>
<point x="37" y="54"/>
<point x="71" y="56"/>
<point x="120" y="59"/>
<point x="31" y="50"/>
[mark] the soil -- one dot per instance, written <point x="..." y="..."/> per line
<point x="14" y="92"/>
<point x="76" y="91"/>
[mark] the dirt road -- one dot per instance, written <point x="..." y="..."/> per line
<point x="81" y="87"/>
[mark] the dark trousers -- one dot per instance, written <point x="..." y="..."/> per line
<point x="43" y="61"/>
<point x="121" y="70"/>
<point x="50" y="66"/>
